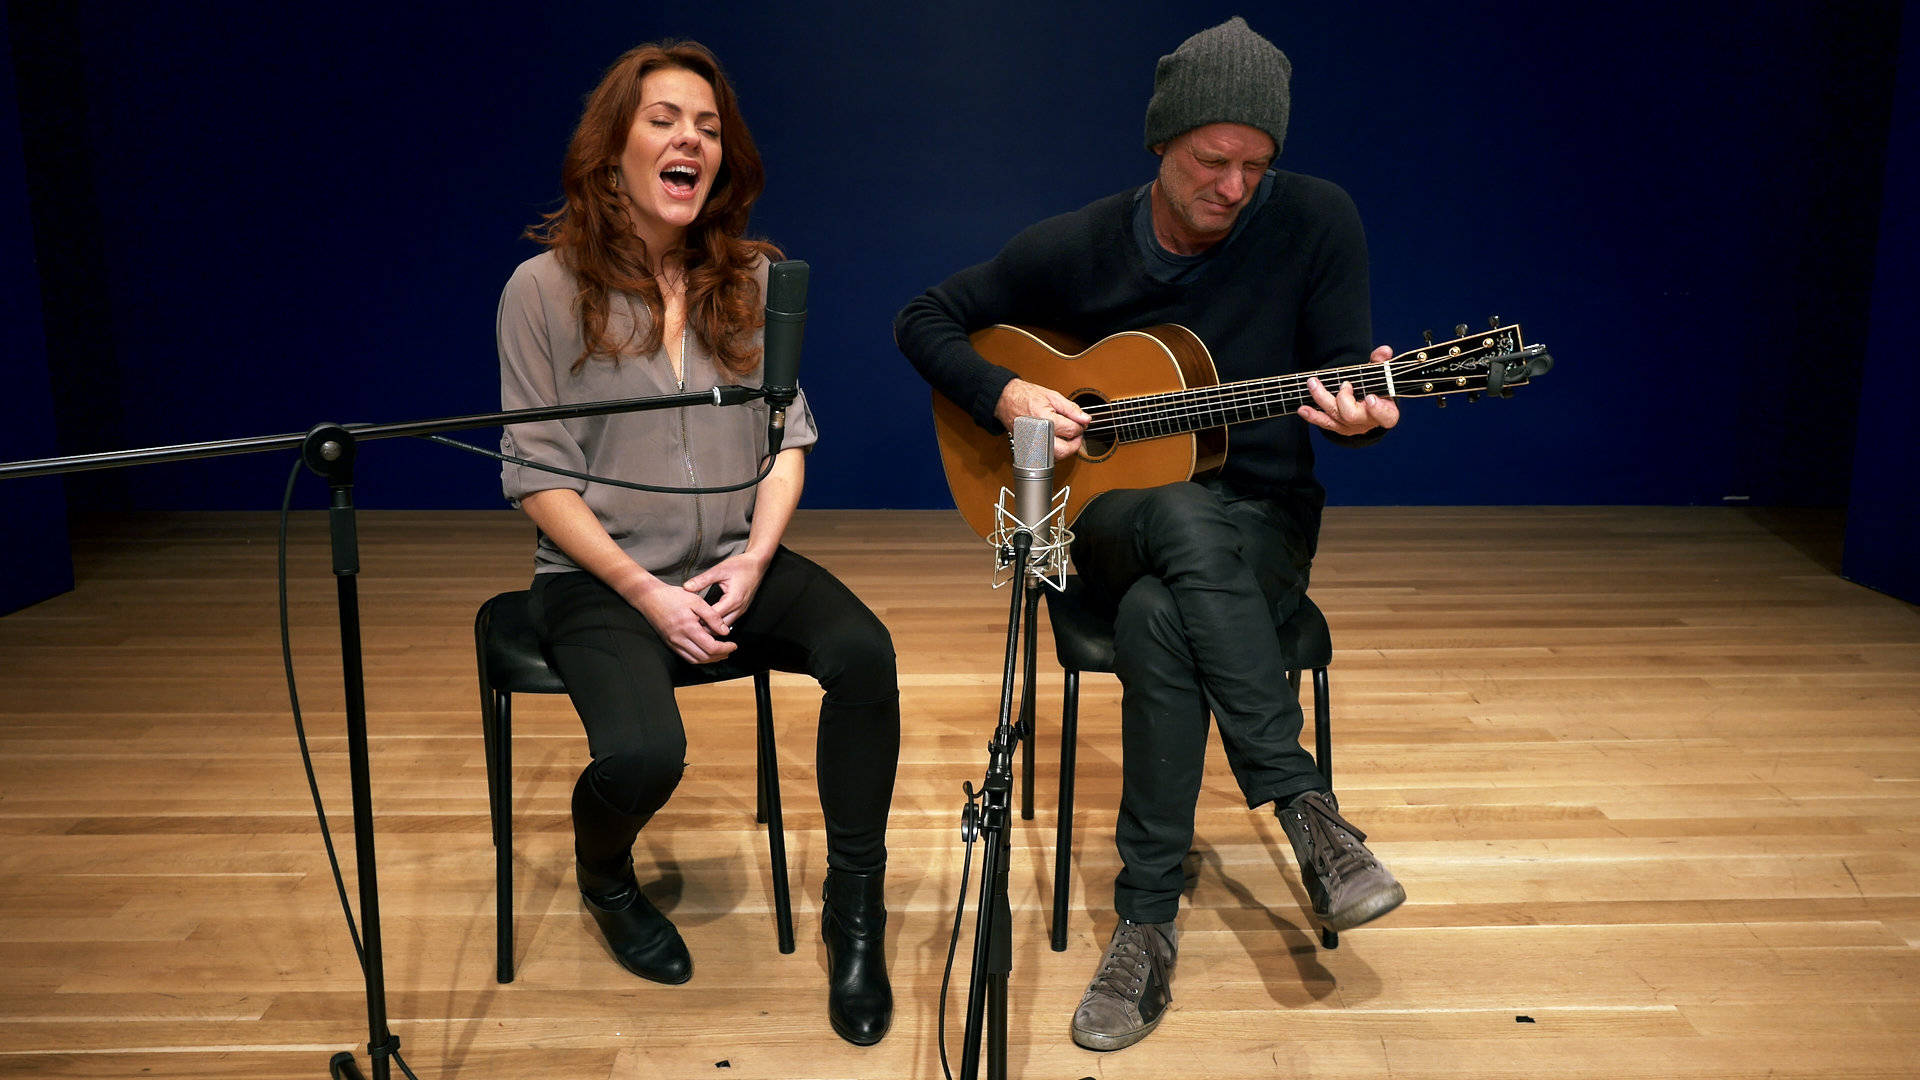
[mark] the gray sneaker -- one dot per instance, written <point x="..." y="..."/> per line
<point x="1347" y="885"/>
<point x="1130" y="992"/>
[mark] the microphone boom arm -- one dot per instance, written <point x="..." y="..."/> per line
<point x="719" y="396"/>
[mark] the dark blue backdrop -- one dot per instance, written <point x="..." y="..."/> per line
<point x="33" y="527"/>
<point x="1883" y="515"/>
<point x="253" y="219"/>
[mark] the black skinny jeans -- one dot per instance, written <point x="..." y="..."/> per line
<point x="620" y="676"/>
<point x="1196" y="579"/>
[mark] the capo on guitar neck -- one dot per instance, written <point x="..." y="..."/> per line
<point x="1538" y="362"/>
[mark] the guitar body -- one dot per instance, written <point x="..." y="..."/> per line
<point x="1156" y="360"/>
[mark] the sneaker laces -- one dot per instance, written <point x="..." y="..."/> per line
<point x="1123" y="972"/>
<point x="1334" y="856"/>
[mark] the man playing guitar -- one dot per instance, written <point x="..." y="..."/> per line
<point x="1269" y="269"/>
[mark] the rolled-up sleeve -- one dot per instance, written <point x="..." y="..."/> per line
<point x="525" y="339"/>
<point x="801" y="432"/>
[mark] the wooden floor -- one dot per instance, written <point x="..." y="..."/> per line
<point x="1651" y="778"/>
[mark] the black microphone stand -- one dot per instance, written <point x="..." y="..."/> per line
<point x="329" y="450"/>
<point x="993" y="928"/>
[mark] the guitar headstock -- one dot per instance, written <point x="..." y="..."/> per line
<point x="1493" y="361"/>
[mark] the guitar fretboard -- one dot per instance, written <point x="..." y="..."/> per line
<point x="1178" y="412"/>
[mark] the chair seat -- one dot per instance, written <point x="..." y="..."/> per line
<point x="515" y="661"/>
<point x="1305" y="642"/>
<point x="1083" y="638"/>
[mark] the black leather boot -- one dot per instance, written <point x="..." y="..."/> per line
<point x="853" y="921"/>
<point x="642" y="938"/>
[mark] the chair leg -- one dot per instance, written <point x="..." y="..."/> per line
<point x="1063" y="835"/>
<point x="489" y="726"/>
<point x="769" y="769"/>
<point x="502" y="771"/>
<point x="1322" y="727"/>
<point x="490" y="730"/>
<point x="1323" y="756"/>
<point x="1026" y="705"/>
<point x="759" y="771"/>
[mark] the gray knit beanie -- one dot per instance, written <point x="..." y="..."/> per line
<point x="1226" y="74"/>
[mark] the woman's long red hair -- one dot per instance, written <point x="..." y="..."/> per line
<point x="593" y="235"/>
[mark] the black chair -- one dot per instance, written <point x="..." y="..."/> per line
<point x="1083" y="641"/>
<point x="507" y="648"/>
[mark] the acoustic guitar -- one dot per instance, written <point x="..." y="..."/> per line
<point x="1160" y="413"/>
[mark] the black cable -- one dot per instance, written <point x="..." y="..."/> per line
<point x="306" y="754"/>
<point x="590" y="478"/>
<point x="969" y="833"/>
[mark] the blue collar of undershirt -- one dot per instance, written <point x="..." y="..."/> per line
<point x="1169" y="268"/>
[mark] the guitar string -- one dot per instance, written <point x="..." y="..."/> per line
<point x="1253" y="395"/>
<point x="1184" y="410"/>
<point x="1293" y="385"/>
<point x="1158" y="421"/>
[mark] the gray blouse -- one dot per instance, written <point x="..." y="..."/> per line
<point x="674" y="537"/>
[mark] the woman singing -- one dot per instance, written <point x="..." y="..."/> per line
<point x="648" y="286"/>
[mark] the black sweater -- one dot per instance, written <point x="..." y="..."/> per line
<point x="1289" y="293"/>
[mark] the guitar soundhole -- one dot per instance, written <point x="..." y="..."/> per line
<point x="1096" y="445"/>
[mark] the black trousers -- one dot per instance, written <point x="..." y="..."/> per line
<point x="620" y="676"/>
<point x="1196" y="578"/>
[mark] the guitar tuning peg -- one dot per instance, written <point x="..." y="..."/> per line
<point x="1493" y="323"/>
<point x="1459" y="329"/>
<point x="1428" y="334"/>
<point x="1442" y="402"/>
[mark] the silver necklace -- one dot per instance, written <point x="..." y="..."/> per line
<point x="683" y="352"/>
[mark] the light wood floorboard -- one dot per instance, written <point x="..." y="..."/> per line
<point x="1651" y="778"/>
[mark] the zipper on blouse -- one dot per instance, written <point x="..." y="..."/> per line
<point x="686" y="453"/>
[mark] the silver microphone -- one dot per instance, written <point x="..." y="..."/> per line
<point x="1037" y="510"/>
<point x="1032" y="474"/>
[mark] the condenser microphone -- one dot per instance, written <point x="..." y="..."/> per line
<point x="1032" y="476"/>
<point x="1037" y="510"/>
<point x="786" y="326"/>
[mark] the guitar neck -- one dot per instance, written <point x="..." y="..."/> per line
<point x="1180" y="412"/>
